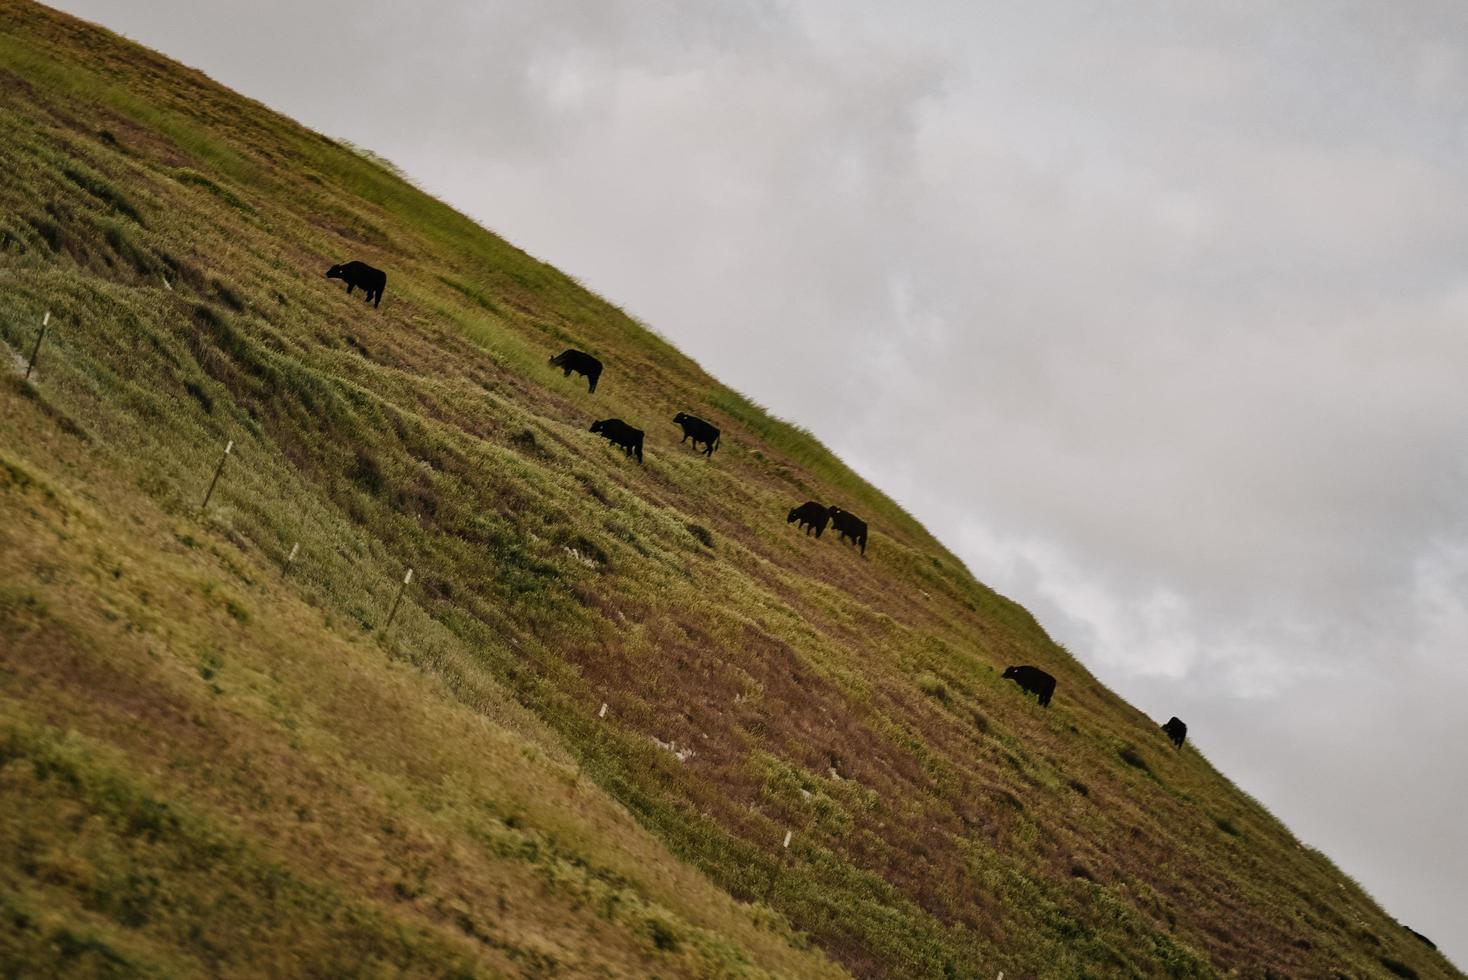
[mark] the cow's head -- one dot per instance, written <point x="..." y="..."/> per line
<point x="835" y="512"/>
<point x="598" y="426"/>
<point x="680" y="418"/>
<point x="335" y="272"/>
<point x="794" y="513"/>
<point x="1011" y="671"/>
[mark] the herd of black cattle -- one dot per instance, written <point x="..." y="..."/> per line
<point x="810" y="516"/>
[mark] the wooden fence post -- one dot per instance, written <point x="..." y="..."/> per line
<point x="401" y="589"/>
<point x="36" y="348"/>
<point x="779" y="863"/>
<point x="228" y="447"/>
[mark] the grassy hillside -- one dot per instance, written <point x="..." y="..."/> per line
<point x="216" y="761"/>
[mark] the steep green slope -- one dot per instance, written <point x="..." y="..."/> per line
<point x="219" y="761"/>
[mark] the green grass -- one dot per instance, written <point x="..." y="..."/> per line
<point x="224" y="765"/>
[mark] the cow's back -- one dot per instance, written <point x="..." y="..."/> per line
<point x="364" y="274"/>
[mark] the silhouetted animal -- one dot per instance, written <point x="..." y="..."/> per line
<point x="1176" y="730"/>
<point x="1034" y="681"/>
<point x="1420" y="936"/>
<point x="620" y="434"/>
<point x="580" y="362"/>
<point x="698" y="430"/>
<point x="361" y="274"/>
<point x="851" y="528"/>
<point x="811" y="515"/>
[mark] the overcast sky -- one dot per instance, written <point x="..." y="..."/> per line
<point x="1154" y="312"/>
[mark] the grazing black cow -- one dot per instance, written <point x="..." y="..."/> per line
<point x="580" y="362"/>
<point x="1034" y="681"/>
<point x="1176" y="730"/>
<point x="811" y="515"/>
<point x="621" y="435"/>
<point x="698" y="430"/>
<point x="1420" y="936"/>
<point x="361" y="274"/>
<point x="852" y="529"/>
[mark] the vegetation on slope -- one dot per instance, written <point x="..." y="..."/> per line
<point x="219" y="761"/>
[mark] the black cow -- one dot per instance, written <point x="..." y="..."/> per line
<point x="698" y="430"/>
<point x="621" y="435"/>
<point x="580" y="362"/>
<point x="1176" y="730"/>
<point x="1034" y="681"/>
<point x="851" y="528"/>
<point x="361" y="274"/>
<point x="811" y="515"/>
<point x="1420" y="936"/>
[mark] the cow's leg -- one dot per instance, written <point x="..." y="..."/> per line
<point x="350" y="287"/>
